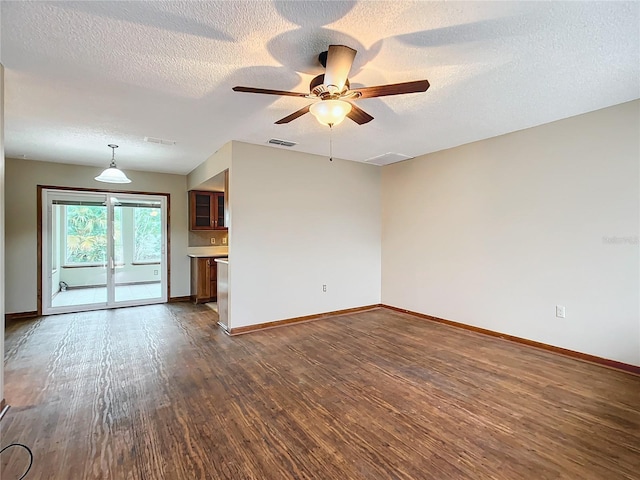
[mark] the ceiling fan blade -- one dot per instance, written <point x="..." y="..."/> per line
<point x="339" y="61"/>
<point x="393" y="89"/>
<point x="358" y="115"/>
<point x="268" y="92"/>
<point x="294" y="115"/>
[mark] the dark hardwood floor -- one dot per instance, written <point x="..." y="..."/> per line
<point x="159" y="392"/>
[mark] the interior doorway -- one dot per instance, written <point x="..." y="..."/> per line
<point x="102" y="250"/>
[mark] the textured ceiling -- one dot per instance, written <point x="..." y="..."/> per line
<point x="80" y="75"/>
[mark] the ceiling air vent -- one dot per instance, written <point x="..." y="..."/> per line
<point x="387" y="158"/>
<point x="159" y="141"/>
<point x="282" y="143"/>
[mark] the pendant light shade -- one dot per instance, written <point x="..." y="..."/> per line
<point x="113" y="174"/>
<point x="330" y="112"/>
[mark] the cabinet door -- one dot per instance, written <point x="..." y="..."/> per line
<point x="200" y="280"/>
<point x="219" y="211"/>
<point x="206" y="210"/>
<point x="202" y="209"/>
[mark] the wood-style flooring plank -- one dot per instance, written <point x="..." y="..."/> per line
<point x="160" y="392"/>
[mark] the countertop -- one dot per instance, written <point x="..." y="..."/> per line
<point x="207" y="252"/>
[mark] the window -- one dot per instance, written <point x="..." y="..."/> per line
<point x="86" y="234"/>
<point x="147" y="235"/>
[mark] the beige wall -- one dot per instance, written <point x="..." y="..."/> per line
<point x="212" y="166"/>
<point x="23" y="176"/>
<point x="200" y="238"/>
<point x="496" y="233"/>
<point x="298" y="222"/>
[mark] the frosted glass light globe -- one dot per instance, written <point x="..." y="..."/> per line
<point x="330" y="112"/>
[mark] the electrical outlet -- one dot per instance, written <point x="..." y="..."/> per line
<point x="324" y="288"/>
<point x="155" y="272"/>
<point x="560" y="311"/>
<point x="224" y="240"/>
<point x="213" y="241"/>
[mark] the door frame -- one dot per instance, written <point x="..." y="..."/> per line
<point x="40" y="243"/>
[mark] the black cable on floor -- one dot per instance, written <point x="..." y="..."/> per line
<point x="28" y="451"/>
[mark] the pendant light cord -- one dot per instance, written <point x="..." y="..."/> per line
<point x="331" y="142"/>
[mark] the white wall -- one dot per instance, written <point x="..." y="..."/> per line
<point x="23" y="176"/>
<point x="2" y="230"/>
<point x="496" y="233"/>
<point x="97" y="276"/>
<point x="298" y="222"/>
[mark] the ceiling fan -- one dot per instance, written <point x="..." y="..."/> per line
<point x="332" y="89"/>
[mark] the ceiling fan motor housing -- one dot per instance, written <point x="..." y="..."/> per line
<point x="322" y="58"/>
<point x="319" y="89"/>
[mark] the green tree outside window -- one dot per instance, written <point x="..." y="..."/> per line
<point x="148" y="235"/>
<point x="86" y="240"/>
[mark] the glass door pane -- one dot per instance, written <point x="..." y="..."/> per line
<point x="77" y="247"/>
<point x="138" y="249"/>
<point x="220" y="210"/>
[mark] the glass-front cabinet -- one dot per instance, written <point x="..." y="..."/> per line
<point x="206" y="210"/>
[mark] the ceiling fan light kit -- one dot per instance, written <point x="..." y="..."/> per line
<point x="330" y="112"/>
<point x="113" y="174"/>
<point x="332" y="88"/>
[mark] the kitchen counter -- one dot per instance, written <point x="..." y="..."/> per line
<point x="207" y="252"/>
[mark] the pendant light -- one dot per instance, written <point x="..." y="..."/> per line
<point x="113" y="174"/>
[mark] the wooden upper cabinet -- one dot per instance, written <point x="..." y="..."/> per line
<point x="206" y="210"/>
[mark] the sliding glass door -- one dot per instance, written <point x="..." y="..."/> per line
<point x="102" y="250"/>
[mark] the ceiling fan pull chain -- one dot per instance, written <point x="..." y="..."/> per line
<point x="331" y="142"/>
